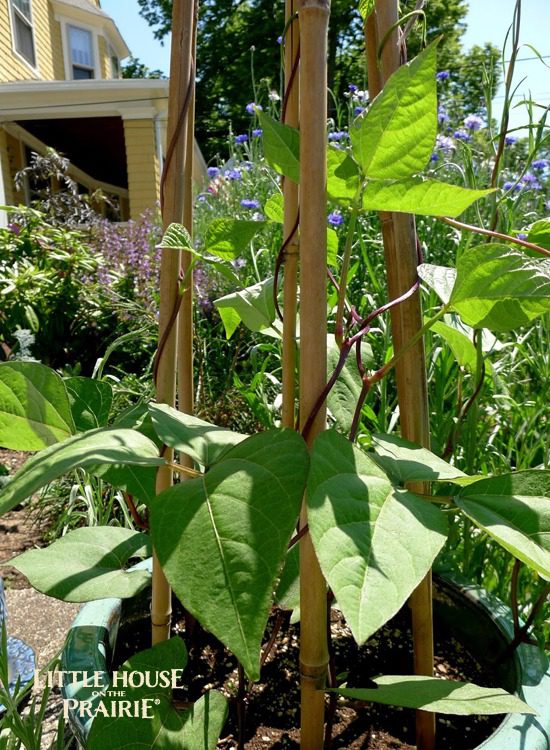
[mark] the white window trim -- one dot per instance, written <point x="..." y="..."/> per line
<point x="18" y="55"/>
<point x="65" y="23"/>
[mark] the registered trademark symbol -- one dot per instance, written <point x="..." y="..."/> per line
<point x="157" y="701"/>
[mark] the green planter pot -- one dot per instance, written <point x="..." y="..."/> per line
<point x="477" y="619"/>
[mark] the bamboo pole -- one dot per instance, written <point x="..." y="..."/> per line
<point x="185" y="347"/>
<point x="314" y="15"/>
<point x="290" y="229"/>
<point x="172" y="211"/>
<point x="399" y="236"/>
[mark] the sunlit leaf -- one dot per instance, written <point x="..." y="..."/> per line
<point x="34" y="407"/>
<point x="87" y="564"/>
<point x="374" y="542"/>
<point x="222" y="539"/>
<point x="396" y="136"/>
<point x="438" y="696"/>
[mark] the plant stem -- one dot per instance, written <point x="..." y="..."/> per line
<point x="497" y="235"/>
<point x="314" y="15"/>
<point x="343" y="286"/>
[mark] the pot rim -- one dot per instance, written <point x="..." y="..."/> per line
<point x="92" y="637"/>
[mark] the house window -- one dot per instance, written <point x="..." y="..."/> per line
<point x="22" y="29"/>
<point x="81" y="52"/>
<point x="115" y="63"/>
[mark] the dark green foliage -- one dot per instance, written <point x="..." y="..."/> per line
<point x="232" y="32"/>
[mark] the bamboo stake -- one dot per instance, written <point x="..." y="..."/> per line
<point x="172" y="207"/>
<point x="290" y="230"/>
<point x="314" y="15"/>
<point x="399" y="236"/>
<point x="185" y="348"/>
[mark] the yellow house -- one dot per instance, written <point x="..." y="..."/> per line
<point x="60" y="87"/>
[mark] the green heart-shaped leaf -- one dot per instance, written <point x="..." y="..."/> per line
<point x="515" y="510"/>
<point x="222" y="539"/>
<point x="396" y="136"/>
<point x="439" y="696"/>
<point x="374" y="542"/>
<point x="103" y="446"/>
<point x="87" y="564"/>
<point x="500" y="288"/>
<point x="34" y="407"/>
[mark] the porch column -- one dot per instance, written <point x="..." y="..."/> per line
<point x="142" y="163"/>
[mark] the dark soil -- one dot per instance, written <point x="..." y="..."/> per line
<point x="272" y="705"/>
<point x="19" y="528"/>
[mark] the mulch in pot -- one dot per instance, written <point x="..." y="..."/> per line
<point x="272" y="705"/>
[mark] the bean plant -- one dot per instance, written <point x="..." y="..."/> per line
<point x="226" y="535"/>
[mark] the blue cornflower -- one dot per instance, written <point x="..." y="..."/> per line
<point x="201" y="197"/>
<point x="521" y="236"/>
<point x="540" y="163"/>
<point x="442" y="115"/>
<point x="233" y="174"/>
<point x="337" y="135"/>
<point x="358" y="111"/>
<point x="462" y="135"/>
<point x="508" y="185"/>
<point x="335" y="219"/>
<point x="352" y="87"/>
<point x="442" y="75"/>
<point x="473" y="122"/>
<point x="242" y="138"/>
<point x="445" y="144"/>
<point x="509" y="140"/>
<point x="434" y="157"/>
<point x="257" y="133"/>
<point x="530" y="180"/>
<point x="250" y="203"/>
<point x="279" y="40"/>
<point x="213" y="172"/>
<point x="252" y="108"/>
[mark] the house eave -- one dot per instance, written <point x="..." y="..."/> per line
<point x="128" y="98"/>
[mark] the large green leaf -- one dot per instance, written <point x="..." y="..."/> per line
<point x="222" y="539"/>
<point x="163" y="728"/>
<point x="288" y="590"/>
<point x="342" y="176"/>
<point x="101" y="446"/>
<point x="34" y="407"/>
<point x="515" y="510"/>
<point x="205" y="443"/>
<point x="176" y="237"/>
<point x="91" y="402"/>
<point x="408" y="462"/>
<point x="396" y="137"/>
<point x="274" y="208"/>
<point x="439" y="278"/>
<point x="438" y="696"/>
<point x="87" y="564"/>
<point x="419" y="196"/>
<point x="539" y="233"/>
<point x="229" y="238"/>
<point x="281" y="147"/>
<point x="254" y="306"/>
<point x="500" y="288"/>
<point x="374" y="542"/>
